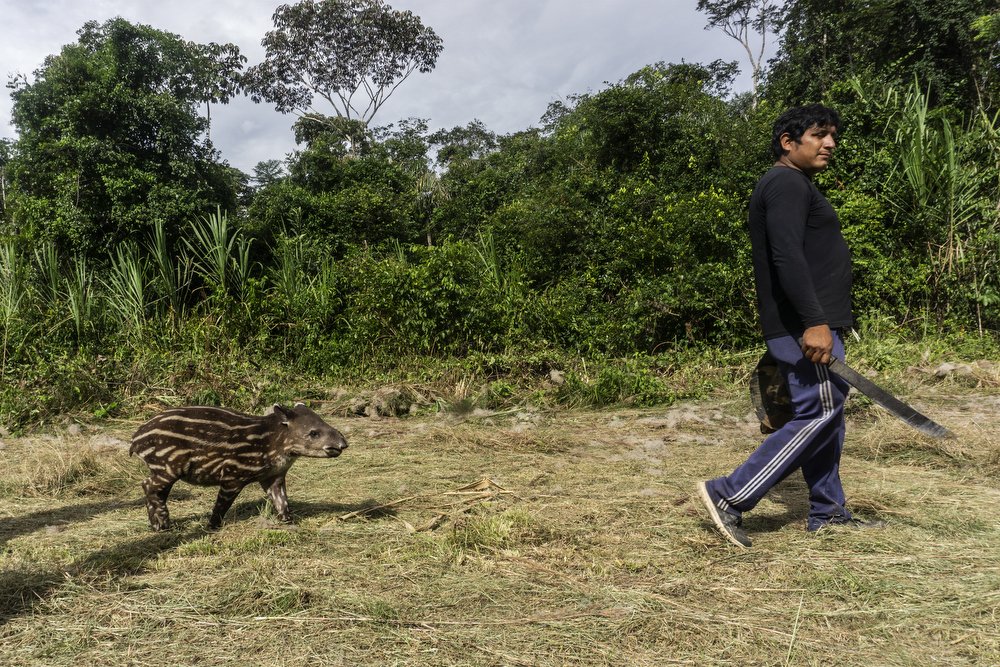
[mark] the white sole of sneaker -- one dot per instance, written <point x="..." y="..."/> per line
<point x="713" y="512"/>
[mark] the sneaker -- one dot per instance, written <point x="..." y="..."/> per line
<point x="727" y="523"/>
<point x="841" y="522"/>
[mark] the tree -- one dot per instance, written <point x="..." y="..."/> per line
<point x="471" y="142"/>
<point x="894" y="40"/>
<point x="737" y="18"/>
<point x="110" y="139"/>
<point x="405" y="143"/>
<point x="351" y="53"/>
<point x="339" y="202"/>
<point x="267" y="172"/>
<point x="987" y="29"/>
<point x="665" y="114"/>
<point x="6" y="153"/>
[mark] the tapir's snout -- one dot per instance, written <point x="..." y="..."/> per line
<point x="335" y="448"/>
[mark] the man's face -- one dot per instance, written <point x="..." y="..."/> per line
<point x="811" y="153"/>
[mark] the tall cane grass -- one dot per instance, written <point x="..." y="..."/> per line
<point x="949" y="194"/>
<point x="987" y="287"/>
<point x="325" y="287"/>
<point x="13" y="293"/>
<point x="65" y="297"/>
<point x="306" y="287"/>
<point x="289" y="276"/>
<point x="221" y="256"/>
<point x="171" y="275"/>
<point x="504" y="282"/>
<point x="50" y="283"/>
<point x="80" y="297"/>
<point x="127" y="292"/>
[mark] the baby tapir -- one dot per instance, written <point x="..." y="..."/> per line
<point x="216" y="447"/>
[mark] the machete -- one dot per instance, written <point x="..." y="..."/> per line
<point x="922" y="423"/>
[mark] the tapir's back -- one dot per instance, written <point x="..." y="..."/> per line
<point x="204" y="445"/>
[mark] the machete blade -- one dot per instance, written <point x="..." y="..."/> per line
<point x="921" y="422"/>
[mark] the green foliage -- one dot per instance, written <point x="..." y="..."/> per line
<point x="126" y="289"/>
<point x="931" y="235"/>
<point x="172" y="274"/>
<point x="110" y="139"/>
<point x="615" y="215"/>
<point x="825" y="42"/>
<point x="463" y="144"/>
<point x="43" y="386"/>
<point x="669" y="115"/>
<point x="614" y="384"/>
<point x="6" y="154"/>
<point x="433" y="300"/>
<point x="478" y="188"/>
<point x="80" y="299"/>
<point x="987" y="38"/>
<point x="604" y="243"/>
<point x="640" y="379"/>
<point x="267" y="172"/>
<point x="17" y="326"/>
<point x="341" y="201"/>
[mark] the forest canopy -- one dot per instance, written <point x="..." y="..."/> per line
<point x="614" y="228"/>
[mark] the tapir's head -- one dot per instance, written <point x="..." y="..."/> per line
<point x="306" y="434"/>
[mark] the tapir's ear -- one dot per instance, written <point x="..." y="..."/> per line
<point x="284" y="412"/>
<point x="300" y="404"/>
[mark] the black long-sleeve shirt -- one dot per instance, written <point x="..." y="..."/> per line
<point x="801" y="263"/>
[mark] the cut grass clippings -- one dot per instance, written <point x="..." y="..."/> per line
<point x="526" y="538"/>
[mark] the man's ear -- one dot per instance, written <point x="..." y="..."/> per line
<point x="786" y="142"/>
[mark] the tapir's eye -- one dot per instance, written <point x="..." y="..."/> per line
<point x="314" y="433"/>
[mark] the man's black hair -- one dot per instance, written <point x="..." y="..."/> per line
<point x="797" y="120"/>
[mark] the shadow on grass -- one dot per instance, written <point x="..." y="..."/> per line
<point x="793" y="495"/>
<point x="21" y="590"/>
<point x="17" y="526"/>
<point x="29" y="586"/>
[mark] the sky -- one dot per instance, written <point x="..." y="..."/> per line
<point x="503" y="63"/>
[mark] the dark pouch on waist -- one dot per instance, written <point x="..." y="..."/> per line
<point x="769" y="394"/>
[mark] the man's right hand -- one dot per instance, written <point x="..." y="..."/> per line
<point x="817" y="344"/>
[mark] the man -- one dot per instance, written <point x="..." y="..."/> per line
<point x="802" y="270"/>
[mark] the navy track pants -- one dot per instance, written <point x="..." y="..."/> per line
<point x="812" y="441"/>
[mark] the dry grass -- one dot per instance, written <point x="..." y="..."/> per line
<point x="563" y="538"/>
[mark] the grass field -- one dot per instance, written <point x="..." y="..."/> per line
<point x="529" y="537"/>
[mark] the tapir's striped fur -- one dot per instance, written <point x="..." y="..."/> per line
<point x="217" y="447"/>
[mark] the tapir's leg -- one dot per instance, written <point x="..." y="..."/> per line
<point x="227" y="494"/>
<point x="275" y="489"/>
<point x="157" y="489"/>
